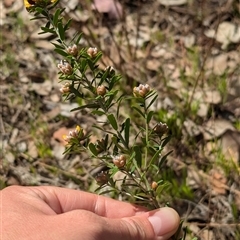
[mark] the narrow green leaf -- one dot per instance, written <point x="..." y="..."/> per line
<point x="79" y="38"/>
<point x="98" y="112"/>
<point x="138" y="110"/>
<point x="41" y="11"/>
<point x="138" y="155"/>
<point x="55" y="4"/>
<point x="93" y="149"/>
<point x="163" y="159"/>
<point x="61" y="52"/>
<point x="58" y="46"/>
<point x="152" y="101"/>
<point x="61" y="31"/>
<point x="48" y="25"/>
<point x="90" y="64"/>
<point x="166" y="141"/>
<point x="90" y="105"/>
<point x="162" y="187"/>
<point x="49" y="30"/>
<point x="149" y="116"/>
<point x="56" y="16"/>
<point x="114" y="80"/>
<point x="112" y="120"/>
<point x="97" y="58"/>
<point x="155" y="156"/>
<point x="67" y="25"/>
<point x="127" y="131"/>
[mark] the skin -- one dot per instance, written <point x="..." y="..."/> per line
<point x="52" y="213"/>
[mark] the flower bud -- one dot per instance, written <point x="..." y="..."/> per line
<point x="100" y="145"/>
<point x="73" y="50"/>
<point x="65" y="88"/>
<point x="119" y="161"/>
<point x="74" y="134"/>
<point x="67" y="138"/>
<point x="110" y="69"/>
<point x="160" y="128"/>
<point x="92" y="51"/>
<point x="65" y="67"/>
<point x="101" y="178"/>
<point x="141" y="90"/>
<point x="101" y="90"/>
<point x="154" y="185"/>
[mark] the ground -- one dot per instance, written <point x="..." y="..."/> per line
<point x="187" y="50"/>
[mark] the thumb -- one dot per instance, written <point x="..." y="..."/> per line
<point x="159" y="224"/>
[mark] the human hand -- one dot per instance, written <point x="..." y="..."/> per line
<point x="53" y="213"/>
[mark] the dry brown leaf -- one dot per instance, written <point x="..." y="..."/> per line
<point x="218" y="180"/>
<point x="58" y="135"/>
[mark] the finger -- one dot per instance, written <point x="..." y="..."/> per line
<point x="158" y="225"/>
<point x="63" y="200"/>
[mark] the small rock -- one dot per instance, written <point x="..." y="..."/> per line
<point x="216" y="128"/>
<point x="58" y="151"/>
<point x="189" y="40"/>
<point x="227" y="33"/>
<point x="191" y="128"/>
<point x="9" y="157"/>
<point x="42" y="89"/>
<point x="22" y="147"/>
<point x="66" y="109"/>
<point x="32" y="150"/>
<point x="218" y="64"/>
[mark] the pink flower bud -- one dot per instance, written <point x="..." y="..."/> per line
<point x="119" y="161"/>
<point x="101" y="90"/>
<point x="141" y="90"/>
<point x="92" y="51"/>
<point x="73" y="50"/>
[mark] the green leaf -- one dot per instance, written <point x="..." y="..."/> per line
<point x="104" y="76"/>
<point x="41" y="11"/>
<point x="166" y="141"/>
<point x="48" y="25"/>
<point x="112" y="121"/>
<point x="162" y="187"/>
<point x="93" y="149"/>
<point x="138" y="155"/>
<point x="97" y="57"/>
<point x="49" y="30"/>
<point x="152" y="101"/>
<point x="98" y="112"/>
<point x="79" y="38"/>
<point x="61" y="52"/>
<point x="76" y="92"/>
<point x="54" y="5"/>
<point x="138" y="110"/>
<point x="149" y="116"/>
<point x="67" y="25"/>
<point x="164" y="158"/>
<point x="156" y="155"/>
<point x="61" y="31"/>
<point x="58" y="46"/>
<point x="127" y="131"/>
<point x="56" y="16"/>
<point x="90" y="105"/>
<point x="90" y="64"/>
<point x="114" y="80"/>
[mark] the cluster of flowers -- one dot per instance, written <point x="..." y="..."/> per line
<point x="141" y="91"/>
<point x="76" y="134"/>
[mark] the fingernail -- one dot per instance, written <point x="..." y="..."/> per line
<point x="163" y="220"/>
